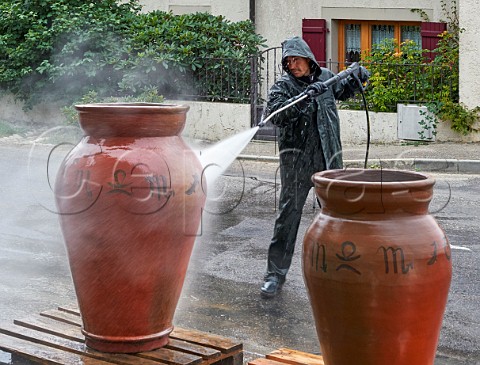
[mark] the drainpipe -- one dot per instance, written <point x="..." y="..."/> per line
<point x="252" y="11"/>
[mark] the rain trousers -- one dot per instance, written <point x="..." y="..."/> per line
<point x="309" y="142"/>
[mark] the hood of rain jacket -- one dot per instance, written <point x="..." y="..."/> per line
<point x="297" y="47"/>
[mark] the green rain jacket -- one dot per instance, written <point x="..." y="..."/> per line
<point x="311" y="126"/>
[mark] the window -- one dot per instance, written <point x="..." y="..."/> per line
<point x="356" y="37"/>
<point x="353" y="49"/>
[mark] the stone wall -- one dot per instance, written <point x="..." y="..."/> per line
<point x="14" y="112"/>
<point x="217" y="121"/>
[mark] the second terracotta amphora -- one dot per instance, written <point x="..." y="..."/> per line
<point x="377" y="267"/>
<point x="130" y="199"/>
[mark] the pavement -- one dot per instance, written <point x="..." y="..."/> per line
<point x="444" y="157"/>
<point x="447" y="157"/>
<point x="221" y="290"/>
<point x="284" y="321"/>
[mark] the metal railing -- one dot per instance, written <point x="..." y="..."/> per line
<point x="218" y="79"/>
<point x="248" y="80"/>
<point x="392" y="84"/>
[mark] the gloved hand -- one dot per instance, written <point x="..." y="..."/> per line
<point x="363" y="74"/>
<point x="315" y="89"/>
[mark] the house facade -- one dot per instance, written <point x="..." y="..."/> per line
<point x="340" y="31"/>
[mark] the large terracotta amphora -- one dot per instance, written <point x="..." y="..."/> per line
<point x="377" y="268"/>
<point x="129" y="198"/>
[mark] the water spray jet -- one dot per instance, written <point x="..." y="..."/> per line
<point x="218" y="157"/>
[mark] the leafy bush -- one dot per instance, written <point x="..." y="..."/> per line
<point x="399" y="74"/>
<point x="193" y="51"/>
<point x="7" y="129"/>
<point x="63" y="49"/>
<point x="403" y="76"/>
<point x="462" y="119"/>
<point x="447" y="107"/>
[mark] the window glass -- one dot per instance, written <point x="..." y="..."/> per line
<point x="358" y="37"/>
<point x="382" y="32"/>
<point x="411" y="32"/>
<point x="352" y="42"/>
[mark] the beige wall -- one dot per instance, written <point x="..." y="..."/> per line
<point x="383" y="129"/>
<point x="14" y="111"/>
<point x="233" y="10"/>
<point x="277" y="20"/>
<point x="469" y="51"/>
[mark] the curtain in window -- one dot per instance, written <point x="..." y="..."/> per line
<point x="352" y="42"/>
<point x="382" y="32"/>
<point x="411" y="32"/>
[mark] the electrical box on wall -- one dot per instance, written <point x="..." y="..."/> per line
<point x="415" y="122"/>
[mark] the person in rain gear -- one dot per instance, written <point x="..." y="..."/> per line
<point x="309" y="142"/>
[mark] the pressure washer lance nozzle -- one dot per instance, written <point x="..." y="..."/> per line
<point x="331" y="81"/>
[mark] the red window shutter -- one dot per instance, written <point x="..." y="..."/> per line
<point x="314" y="32"/>
<point x="430" y="38"/>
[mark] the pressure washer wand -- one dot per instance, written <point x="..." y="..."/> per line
<point x="298" y="99"/>
<point x="343" y="74"/>
<point x="331" y="81"/>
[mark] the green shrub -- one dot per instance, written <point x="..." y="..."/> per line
<point x="61" y="50"/>
<point x="399" y="74"/>
<point x="190" y="54"/>
<point x="447" y="107"/>
<point x="461" y="118"/>
<point x="6" y="129"/>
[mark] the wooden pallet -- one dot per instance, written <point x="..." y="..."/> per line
<point x="284" y="356"/>
<point x="55" y="337"/>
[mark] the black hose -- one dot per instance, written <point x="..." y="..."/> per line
<point x="362" y="90"/>
<point x="368" y="129"/>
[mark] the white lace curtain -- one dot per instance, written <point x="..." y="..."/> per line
<point x="381" y="32"/>
<point x="352" y="42"/>
<point x="413" y="33"/>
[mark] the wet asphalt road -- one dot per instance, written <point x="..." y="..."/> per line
<point x="221" y="292"/>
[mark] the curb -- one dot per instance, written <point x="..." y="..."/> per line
<point x="453" y="166"/>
